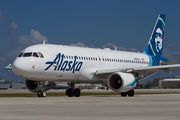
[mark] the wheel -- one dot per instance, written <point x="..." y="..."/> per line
<point x="43" y="93"/>
<point x="76" y="92"/>
<point x="123" y="94"/>
<point x="69" y="92"/>
<point x="131" y="93"/>
<point x="39" y="93"/>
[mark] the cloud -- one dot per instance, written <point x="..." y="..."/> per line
<point x="171" y="56"/>
<point x="109" y="45"/>
<point x="12" y="28"/>
<point x="169" y="44"/>
<point x="79" y="44"/>
<point x="18" y="44"/>
<point x="113" y="47"/>
<point x="171" y="51"/>
<point x="35" y="37"/>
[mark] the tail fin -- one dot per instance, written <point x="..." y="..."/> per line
<point x="155" y="45"/>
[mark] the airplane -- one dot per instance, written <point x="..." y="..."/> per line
<point x="120" y="70"/>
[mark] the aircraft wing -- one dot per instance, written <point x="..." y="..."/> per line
<point x="164" y="68"/>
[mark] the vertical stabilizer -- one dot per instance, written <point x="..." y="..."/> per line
<point x="155" y="45"/>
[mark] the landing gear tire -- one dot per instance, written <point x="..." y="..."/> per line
<point x="131" y="93"/>
<point x="41" y="93"/>
<point x="76" y="92"/>
<point x="69" y="92"/>
<point x="123" y="94"/>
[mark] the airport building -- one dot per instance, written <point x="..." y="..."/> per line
<point x="5" y="85"/>
<point x="169" y="83"/>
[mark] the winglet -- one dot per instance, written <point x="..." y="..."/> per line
<point x="8" y="67"/>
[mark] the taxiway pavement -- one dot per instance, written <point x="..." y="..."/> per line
<point x="108" y="107"/>
<point x="174" y="91"/>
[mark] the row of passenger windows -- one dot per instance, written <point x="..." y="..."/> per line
<point x="38" y="54"/>
<point x="105" y="59"/>
<point x="31" y="54"/>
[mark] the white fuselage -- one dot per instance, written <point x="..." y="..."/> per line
<point x="60" y="64"/>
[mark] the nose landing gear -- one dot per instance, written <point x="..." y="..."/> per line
<point x="42" y="92"/>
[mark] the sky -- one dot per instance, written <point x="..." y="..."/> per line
<point x="125" y="24"/>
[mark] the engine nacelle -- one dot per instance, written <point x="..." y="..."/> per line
<point x="121" y="82"/>
<point x="34" y="86"/>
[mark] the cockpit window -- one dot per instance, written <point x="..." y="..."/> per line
<point x="27" y="54"/>
<point x="35" y="55"/>
<point x="20" y="55"/>
<point x="40" y="55"/>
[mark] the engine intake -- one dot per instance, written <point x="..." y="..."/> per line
<point x="121" y="82"/>
<point x="34" y="86"/>
<point x="116" y="81"/>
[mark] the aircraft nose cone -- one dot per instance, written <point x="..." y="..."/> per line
<point x="18" y="67"/>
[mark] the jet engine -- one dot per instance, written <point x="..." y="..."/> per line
<point x="35" y="86"/>
<point x="121" y="82"/>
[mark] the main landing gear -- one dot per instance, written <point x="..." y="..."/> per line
<point x="73" y="92"/>
<point x="129" y="93"/>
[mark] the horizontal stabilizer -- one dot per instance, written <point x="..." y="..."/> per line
<point x="171" y="62"/>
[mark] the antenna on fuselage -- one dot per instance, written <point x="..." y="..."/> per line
<point x="44" y="42"/>
<point x="115" y="48"/>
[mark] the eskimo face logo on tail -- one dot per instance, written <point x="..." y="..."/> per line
<point x="158" y="39"/>
<point x="156" y="44"/>
<point x="61" y="65"/>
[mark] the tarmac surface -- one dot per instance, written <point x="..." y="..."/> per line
<point x="174" y="91"/>
<point x="107" y="107"/>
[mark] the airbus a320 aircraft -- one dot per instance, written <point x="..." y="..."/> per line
<point x="119" y="70"/>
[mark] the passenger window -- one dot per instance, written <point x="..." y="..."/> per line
<point x="40" y="55"/>
<point x="27" y="54"/>
<point x="20" y="55"/>
<point x="35" y="55"/>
